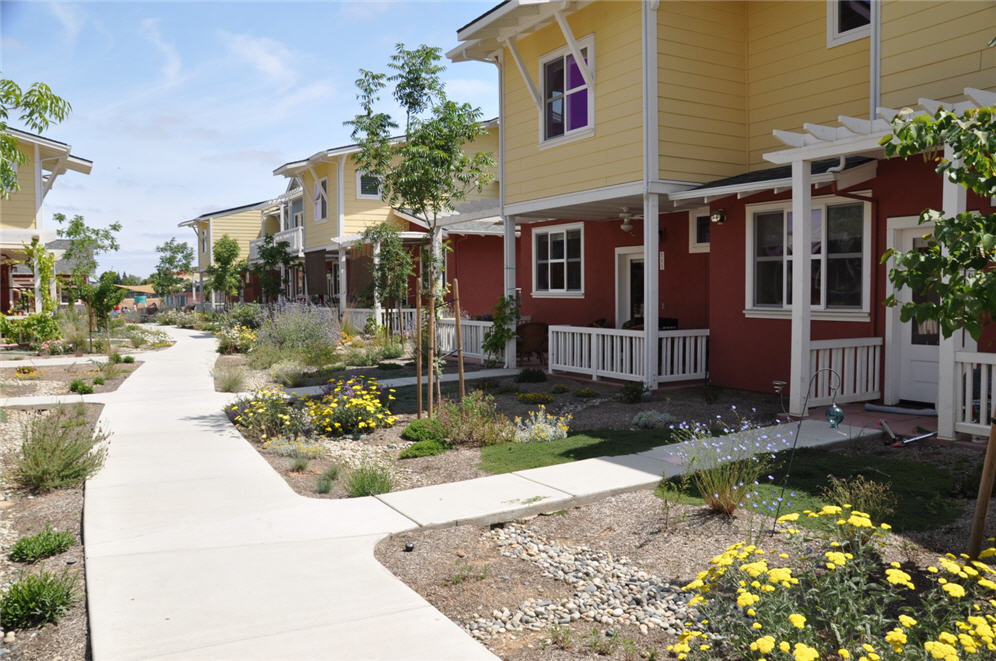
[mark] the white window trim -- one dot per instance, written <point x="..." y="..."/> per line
<point x="693" y="216"/>
<point x="359" y="194"/>
<point x="820" y="312"/>
<point x="571" y="293"/>
<point x="588" y="41"/>
<point x="321" y="196"/>
<point x="834" y="36"/>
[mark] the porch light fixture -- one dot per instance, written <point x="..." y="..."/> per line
<point x="718" y="216"/>
<point x="834" y="416"/>
<point x="627" y="219"/>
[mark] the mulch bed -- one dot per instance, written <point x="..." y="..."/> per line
<point x="55" y="379"/>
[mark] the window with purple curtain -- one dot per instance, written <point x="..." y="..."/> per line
<point x="565" y="95"/>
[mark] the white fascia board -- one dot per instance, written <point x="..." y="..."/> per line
<point x="580" y="197"/>
<point x="822" y="150"/>
<point x="751" y="187"/>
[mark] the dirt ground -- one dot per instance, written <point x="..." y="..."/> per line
<point x="25" y="514"/>
<point x="55" y="379"/>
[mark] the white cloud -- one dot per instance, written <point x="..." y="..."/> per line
<point x="173" y="65"/>
<point x="70" y="16"/>
<point x="268" y="56"/>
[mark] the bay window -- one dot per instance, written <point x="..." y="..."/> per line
<point x="558" y="263"/>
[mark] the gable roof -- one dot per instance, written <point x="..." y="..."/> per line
<point x="53" y="150"/>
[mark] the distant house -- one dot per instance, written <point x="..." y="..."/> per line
<point x="22" y="213"/>
<point x="138" y="297"/>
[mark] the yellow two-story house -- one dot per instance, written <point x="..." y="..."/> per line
<point x="22" y="215"/>
<point x="637" y="146"/>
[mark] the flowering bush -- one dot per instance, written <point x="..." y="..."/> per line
<point x="835" y="598"/>
<point x="541" y="426"/>
<point x="268" y="414"/>
<point x="307" y="333"/>
<point x="236" y="339"/>
<point x="475" y="421"/>
<point x="351" y="406"/>
<point x="55" y="348"/>
<point x="285" y="447"/>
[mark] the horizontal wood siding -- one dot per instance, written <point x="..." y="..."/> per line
<point x="318" y="233"/>
<point x="957" y="55"/>
<point x="242" y="226"/>
<point x="203" y="256"/>
<point x="792" y="77"/>
<point x="702" y="89"/>
<point x="613" y="155"/>
<point x="18" y="210"/>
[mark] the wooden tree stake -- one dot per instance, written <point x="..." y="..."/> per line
<point x="432" y="343"/>
<point x="985" y="494"/>
<point x="418" y="342"/>
<point x="459" y="339"/>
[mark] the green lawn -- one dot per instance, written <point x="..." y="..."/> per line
<point x="509" y="457"/>
<point x="923" y="491"/>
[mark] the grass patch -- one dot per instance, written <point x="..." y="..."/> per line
<point x="325" y="480"/>
<point x="508" y="457"/>
<point x="35" y="599"/>
<point x="230" y="379"/>
<point x="424" y="448"/>
<point x="43" y="545"/>
<point x="368" y="481"/>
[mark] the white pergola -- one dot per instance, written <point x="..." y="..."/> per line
<point x="855" y="136"/>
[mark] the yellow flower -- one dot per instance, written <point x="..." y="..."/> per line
<point x="793" y="516"/>
<point x="797" y="620"/>
<point x="804" y="652"/>
<point x="784" y="646"/>
<point x="764" y="644"/>
<point x="954" y="590"/>
<point x="907" y="621"/>
<point x="844" y="654"/>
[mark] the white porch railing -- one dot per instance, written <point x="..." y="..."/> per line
<point x="358" y="318"/>
<point x="618" y="354"/>
<point x="294" y="236"/>
<point x="471" y="336"/>
<point x="973" y="400"/>
<point x="683" y="355"/>
<point x="857" y="361"/>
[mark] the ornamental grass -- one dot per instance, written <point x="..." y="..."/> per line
<point x="833" y="597"/>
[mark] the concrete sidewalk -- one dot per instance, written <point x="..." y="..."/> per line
<point x="197" y="549"/>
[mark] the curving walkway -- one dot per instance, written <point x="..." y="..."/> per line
<point x="197" y="549"/>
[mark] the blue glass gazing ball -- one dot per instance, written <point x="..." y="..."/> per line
<point x="835" y="415"/>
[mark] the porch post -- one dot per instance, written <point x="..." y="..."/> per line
<point x="509" y="289"/>
<point x="802" y="238"/>
<point x="651" y="285"/>
<point x="953" y="200"/>
<point x="52" y="292"/>
<point x="38" y="294"/>
<point x="343" y="251"/>
<point x="377" y="312"/>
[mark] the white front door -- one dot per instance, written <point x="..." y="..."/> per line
<point x="918" y="340"/>
<point x="629" y="285"/>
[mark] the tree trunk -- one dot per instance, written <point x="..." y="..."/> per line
<point x="985" y="493"/>
<point x="432" y="341"/>
<point x="418" y="343"/>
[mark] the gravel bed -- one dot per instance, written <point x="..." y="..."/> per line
<point x="608" y="590"/>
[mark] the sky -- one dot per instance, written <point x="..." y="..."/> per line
<point x="188" y="107"/>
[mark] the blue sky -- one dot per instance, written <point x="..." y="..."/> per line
<point x="187" y="107"/>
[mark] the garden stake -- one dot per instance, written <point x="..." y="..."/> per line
<point x="418" y="342"/>
<point x="985" y="492"/>
<point x="431" y="371"/>
<point x="459" y="343"/>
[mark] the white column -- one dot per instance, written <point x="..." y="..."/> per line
<point x="343" y="252"/>
<point x="377" y="312"/>
<point x="38" y="290"/>
<point x="802" y="238"/>
<point x="953" y="200"/>
<point x="509" y="251"/>
<point x="53" y="292"/>
<point x="651" y="285"/>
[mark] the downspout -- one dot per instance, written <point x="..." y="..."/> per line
<point x="875" y="60"/>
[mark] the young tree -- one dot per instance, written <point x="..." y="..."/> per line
<point x="100" y="298"/>
<point x="272" y="256"/>
<point x="961" y="250"/>
<point x="394" y="267"/>
<point x="175" y="257"/>
<point x="225" y="272"/>
<point x="37" y="107"/>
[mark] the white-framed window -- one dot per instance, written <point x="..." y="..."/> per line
<point x="699" y="227"/>
<point x="839" y="256"/>
<point x="322" y="199"/>
<point x="297" y="219"/>
<point x="847" y="20"/>
<point x="568" y="102"/>
<point x="558" y="260"/>
<point x="367" y="186"/>
<point x="204" y="240"/>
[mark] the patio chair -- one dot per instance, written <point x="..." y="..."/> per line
<point x="532" y="339"/>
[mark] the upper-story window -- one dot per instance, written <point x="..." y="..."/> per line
<point x="568" y="103"/>
<point x="839" y="257"/>
<point x="698" y="230"/>
<point x="204" y="240"/>
<point x="322" y="199"/>
<point x="558" y="266"/>
<point x="367" y="186"/>
<point x="847" y="20"/>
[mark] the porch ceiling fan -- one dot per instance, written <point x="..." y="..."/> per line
<point x="627" y="219"/>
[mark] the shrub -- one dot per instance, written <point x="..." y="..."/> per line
<point x="247" y="315"/>
<point x="631" y="393"/>
<point x="55" y="348"/>
<point x="530" y="375"/>
<point x="236" y="339"/>
<point x="114" y="358"/>
<point x="59" y="450"/>
<point x="585" y="393"/>
<point x="833" y="597"/>
<point x="25" y="373"/>
<point x="424" y="429"/>
<point x="475" y="421"/>
<point x="653" y="420"/>
<point x="230" y="379"/>
<point x="351" y="406"/>
<point x="288" y="373"/>
<point x="128" y="359"/>
<point x="45" y="544"/>
<point x="389" y="366"/>
<point x="98" y="381"/>
<point x="393" y="350"/>
<point x="267" y="414"/>
<point x="368" y="481"/>
<point x="33" y="330"/>
<point x="559" y="389"/>
<point x="424" y="448"/>
<point x="541" y="426"/>
<point x="325" y="480"/>
<point x="306" y="333"/>
<point x="535" y="397"/>
<point x="35" y="599"/>
<point x="299" y="463"/>
<point x="80" y="386"/>
<point x="874" y="498"/>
